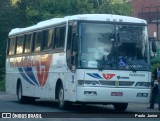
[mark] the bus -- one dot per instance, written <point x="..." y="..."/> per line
<point x="86" y="58"/>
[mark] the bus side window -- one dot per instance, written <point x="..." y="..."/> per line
<point x="60" y="37"/>
<point x="11" y="46"/>
<point x="28" y="42"/>
<point x="48" y="39"/>
<point x="19" y="44"/>
<point x="37" y="41"/>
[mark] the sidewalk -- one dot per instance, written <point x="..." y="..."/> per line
<point x="137" y="107"/>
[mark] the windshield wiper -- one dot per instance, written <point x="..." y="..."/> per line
<point x="130" y="65"/>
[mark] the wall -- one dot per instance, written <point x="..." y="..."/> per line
<point x="138" y="6"/>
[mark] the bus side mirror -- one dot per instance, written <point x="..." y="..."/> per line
<point x="153" y="44"/>
<point x="74" y="51"/>
<point x="75" y="43"/>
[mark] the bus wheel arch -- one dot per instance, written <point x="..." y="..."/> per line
<point x="59" y="82"/>
<point x="18" y="83"/>
<point x="20" y="96"/>
<point x="60" y="95"/>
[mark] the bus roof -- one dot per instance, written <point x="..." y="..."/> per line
<point x="89" y="17"/>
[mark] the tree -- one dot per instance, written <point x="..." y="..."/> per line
<point x="4" y="28"/>
<point x="9" y="18"/>
<point x="38" y="10"/>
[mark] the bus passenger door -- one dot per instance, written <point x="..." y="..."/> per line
<point x="71" y="57"/>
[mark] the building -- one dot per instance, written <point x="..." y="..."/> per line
<point x="150" y="11"/>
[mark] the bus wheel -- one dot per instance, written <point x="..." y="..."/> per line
<point x="21" y="98"/>
<point x="120" y="106"/>
<point x="62" y="104"/>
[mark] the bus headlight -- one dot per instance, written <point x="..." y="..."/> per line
<point x="143" y="84"/>
<point x="88" y="83"/>
<point x="142" y="94"/>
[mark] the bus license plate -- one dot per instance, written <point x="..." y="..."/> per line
<point x="116" y="93"/>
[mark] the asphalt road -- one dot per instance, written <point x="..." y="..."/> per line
<point x="9" y="104"/>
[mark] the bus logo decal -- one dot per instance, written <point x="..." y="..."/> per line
<point x="42" y="68"/>
<point x="95" y="75"/>
<point x="116" y="83"/>
<point x="24" y="76"/>
<point x="30" y="74"/>
<point x="104" y="76"/>
<point x="108" y="76"/>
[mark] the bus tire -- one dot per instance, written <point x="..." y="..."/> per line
<point x="20" y="96"/>
<point x="120" y="107"/>
<point x="61" y="103"/>
<point x="30" y="100"/>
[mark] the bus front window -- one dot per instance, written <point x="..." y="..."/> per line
<point x="113" y="46"/>
<point x="132" y="47"/>
<point x="97" y="43"/>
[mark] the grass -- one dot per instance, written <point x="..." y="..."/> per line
<point x="2" y="86"/>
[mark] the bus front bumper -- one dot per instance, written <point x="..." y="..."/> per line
<point x="112" y="95"/>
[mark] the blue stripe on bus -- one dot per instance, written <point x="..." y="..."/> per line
<point x="24" y="76"/>
<point x="29" y="72"/>
<point x="95" y="75"/>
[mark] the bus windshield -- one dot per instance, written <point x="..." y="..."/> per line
<point x="113" y="46"/>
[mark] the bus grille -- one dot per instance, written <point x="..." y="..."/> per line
<point x="116" y="83"/>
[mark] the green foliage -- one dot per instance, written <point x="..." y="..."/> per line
<point x="2" y="86"/>
<point x="38" y="10"/>
<point x="121" y="9"/>
<point x="153" y="66"/>
<point x="5" y="10"/>
<point x="21" y="13"/>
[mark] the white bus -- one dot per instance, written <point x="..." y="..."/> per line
<point x="88" y="58"/>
